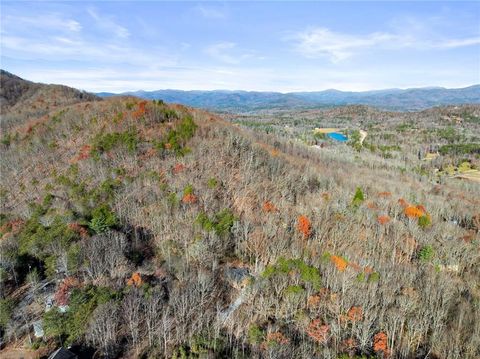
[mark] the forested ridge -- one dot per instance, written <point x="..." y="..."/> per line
<point x="160" y="230"/>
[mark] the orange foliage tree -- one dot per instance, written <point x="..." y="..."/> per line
<point x="135" y="279"/>
<point x="349" y="345"/>
<point x="355" y="314"/>
<point x="318" y="331"/>
<point x="380" y="343"/>
<point x="383" y="219"/>
<point x="268" y="207"/>
<point x="140" y="110"/>
<point x="414" y="212"/>
<point x="189" y="198"/>
<point x="339" y="262"/>
<point x="372" y="205"/>
<point x="313" y="300"/>
<point x="304" y="226"/>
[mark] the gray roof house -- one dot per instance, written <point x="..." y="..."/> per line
<point x="62" y="353"/>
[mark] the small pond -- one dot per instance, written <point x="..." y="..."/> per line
<point x="337" y="136"/>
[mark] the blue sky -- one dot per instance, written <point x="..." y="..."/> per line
<point x="264" y="46"/>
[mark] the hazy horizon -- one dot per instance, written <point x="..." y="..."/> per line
<point x="287" y="92"/>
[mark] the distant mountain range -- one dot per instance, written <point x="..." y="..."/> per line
<point x="243" y="101"/>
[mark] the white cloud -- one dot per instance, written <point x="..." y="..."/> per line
<point x="221" y="52"/>
<point x="50" y="21"/>
<point x="229" y="53"/>
<point x="210" y="12"/>
<point x="323" y="42"/>
<point x="108" y="24"/>
<point x="59" y="48"/>
<point x="454" y="43"/>
<point x="319" y="42"/>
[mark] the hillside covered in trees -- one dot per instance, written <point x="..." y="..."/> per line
<point x="134" y="228"/>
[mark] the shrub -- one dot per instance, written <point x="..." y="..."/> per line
<point x="221" y="222"/>
<point x="255" y="334"/>
<point x="460" y="149"/>
<point x="426" y="253"/>
<point x="106" y="142"/>
<point x="212" y="183"/>
<point x="361" y="277"/>
<point x="172" y="199"/>
<point x="294" y="290"/>
<point x="373" y="277"/>
<point x="103" y="218"/>
<point x="6" y="309"/>
<point x="176" y="139"/>
<point x="424" y="221"/>
<point x="308" y="274"/>
<point x="358" y="198"/>
<point x="188" y="190"/>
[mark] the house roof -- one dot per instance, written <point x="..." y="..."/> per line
<point x="62" y="353"/>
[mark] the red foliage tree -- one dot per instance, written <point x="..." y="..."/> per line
<point x="62" y="295"/>
<point x="178" y="168"/>
<point x="318" y="331"/>
<point x="274" y="338"/>
<point x="79" y="229"/>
